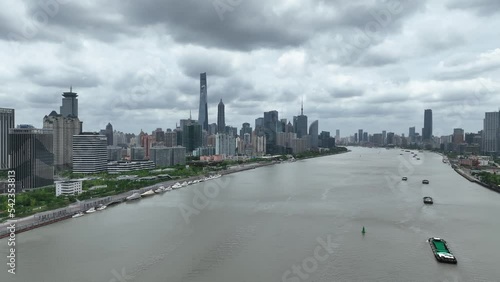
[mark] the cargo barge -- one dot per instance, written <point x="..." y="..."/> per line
<point x="441" y="251"/>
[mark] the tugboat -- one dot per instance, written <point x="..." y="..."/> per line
<point x="428" y="200"/>
<point x="441" y="251"/>
<point x="425" y="181"/>
<point x="405" y="178"/>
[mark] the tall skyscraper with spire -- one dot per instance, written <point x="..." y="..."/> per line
<point x="69" y="106"/>
<point x="221" y="118"/>
<point x="301" y="122"/>
<point x="203" y="109"/>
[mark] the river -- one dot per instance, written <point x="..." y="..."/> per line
<point x="298" y="221"/>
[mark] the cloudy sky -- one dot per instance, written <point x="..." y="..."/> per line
<point x="371" y="64"/>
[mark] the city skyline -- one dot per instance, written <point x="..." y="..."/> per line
<point x="436" y="62"/>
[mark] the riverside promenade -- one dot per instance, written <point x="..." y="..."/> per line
<point x="53" y="216"/>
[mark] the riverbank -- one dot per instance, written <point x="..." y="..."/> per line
<point x="475" y="180"/>
<point x="48" y="217"/>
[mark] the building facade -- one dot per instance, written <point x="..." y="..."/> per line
<point x="31" y="157"/>
<point x="314" y="133"/>
<point x="491" y="133"/>
<point x="7" y="122"/>
<point x="68" y="187"/>
<point x="64" y="128"/>
<point x="89" y="153"/>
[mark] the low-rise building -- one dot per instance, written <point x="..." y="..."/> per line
<point x="119" y="167"/>
<point x="68" y="187"/>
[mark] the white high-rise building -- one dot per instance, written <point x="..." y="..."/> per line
<point x="225" y="145"/>
<point x="89" y="153"/>
<point x="491" y="133"/>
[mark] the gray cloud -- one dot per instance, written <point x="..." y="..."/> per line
<point x="355" y="63"/>
<point x="482" y="7"/>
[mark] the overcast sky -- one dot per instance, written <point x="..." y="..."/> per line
<point x="371" y="64"/>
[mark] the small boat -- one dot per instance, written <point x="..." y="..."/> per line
<point x="425" y="181"/>
<point x="169" y="188"/>
<point x="428" y="200"/>
<point x="418" y="159"/>
<point x="102" y="207"/>
<point x="91" y="210"/>
<point x="190" y="182"/>
<point x="148" y="193"/>
<point x="80" y="214"/>
<point x="176" y="186"/>
<point x="405" y="178"/>
<point x="441" y="251"/>
<point x="160" y="190"/>
<point x="134" y="196"/>
<point x="363" y="231"/>
<point x="184" y="184"/>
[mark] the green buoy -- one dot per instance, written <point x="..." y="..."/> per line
<point x="363" y="231"/>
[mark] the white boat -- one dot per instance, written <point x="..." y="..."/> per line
<point x="159" y="190"/>
<point x="148" y="193"/>
<point x="80" y="214"/>
<point x="176" y="186"/>
<point x="91" y="210"/>
<point x="190" y="182"/>
<point x="168" y="189"/>
<point x="184" y="184"/>
<point x="101" y="208"/>
<point x="134" y="196"/>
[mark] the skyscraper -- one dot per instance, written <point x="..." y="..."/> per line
<point x="360" y="135"/>
<point x="245" y="128"/>
<point x="314" y="133"/>
<point x="192" y="137"/>
<point x="109" y="134"/>
<point x="427" y="130"/>
<point x="491" y="133"/>
<point x="203" y="109"/>
<point x="31" y="156"/>
<point x="301" y="123"/>
<point x="63" y="128"/>
<point x="221" y="118"/>
<point x="337" y="135"/>
<point x="6" y="123"/>
<point x="69" y="104"/>
<point x="384" y="137"/>
<point x="411" y="134"/>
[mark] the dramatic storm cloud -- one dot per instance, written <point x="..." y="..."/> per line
<point x="373" y="64"/>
